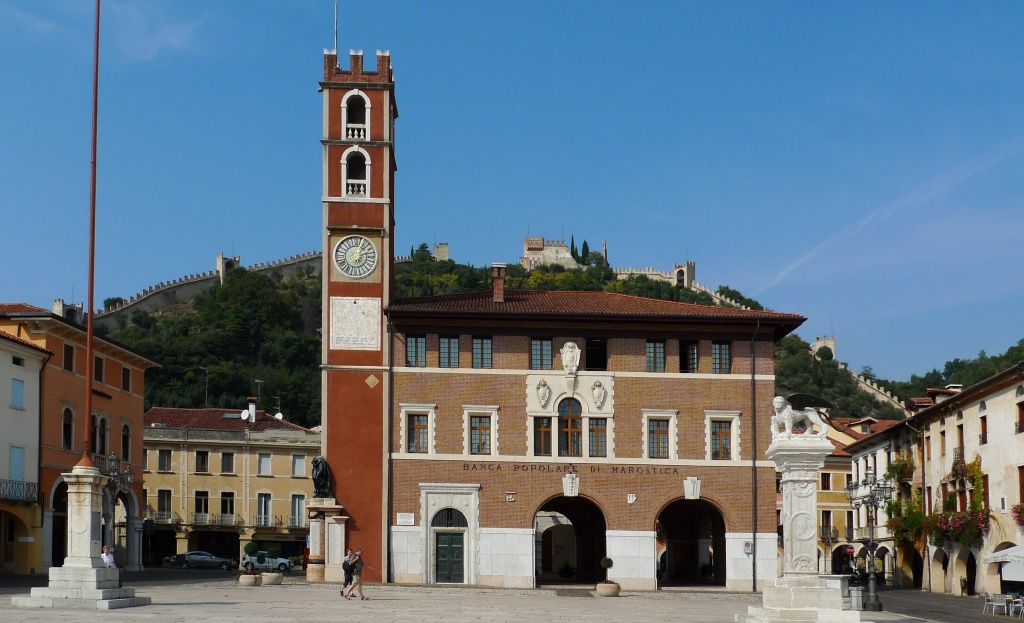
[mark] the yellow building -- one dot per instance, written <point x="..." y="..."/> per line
<point x="215" y="480"/>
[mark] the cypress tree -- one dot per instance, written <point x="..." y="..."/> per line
<point x="584" y="253"/>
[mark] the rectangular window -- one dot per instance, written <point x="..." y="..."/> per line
<point x="263" y="509"/>
<point x="721" y="358"/>
<point x="299" y="465"/>
<point x="163" y="502"/>
<point x="17" y="393"/>
<point x="983" y="437"/>
<point x="826" y="481"/>
<point x="18" y="361"/>
<point x="202" y="461"/>
<point x="145" y="459"/>
<point x="688" y="357"/>
<point x="418" y="433"/>
<point x="479" y="434"/>
<point x="597" y="354"/>
<point x="540" y="354"/>
<point x="657" y="439"/>
<point x="263" y="464"/>
<point x="448" y="352"/>
<point x="1020" y="418"/>
<point x="126" y="379"/>
<point x="542" y="436"/>
<point x="227" y="462"/>
<point x="202" y="502"/>
<point x="570" y="435"/>
<point x="97" y="370"/>
<point x="416" y="351"/>
<point x="297" y="518"/>
<point x="482" y="352"/>
<point x="598" y="437"/>
<point x="69" y="357"/>
<point x="942" y="443"/>
<point x="655" y="356"/>
<point x="929" y="501"/>
<point x="927" y="448"/>
<point x="1020" y="483"/>
<point x="826" y="519"/>
<point x="163" y="460"/>
<point x="721" y="440"/>
<point x="227" y="504"/>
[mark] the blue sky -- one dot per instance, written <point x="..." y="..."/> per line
<point x="858" y="163"/>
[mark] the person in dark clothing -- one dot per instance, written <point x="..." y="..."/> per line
<point x="356" y="564"/>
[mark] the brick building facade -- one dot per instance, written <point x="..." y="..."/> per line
<point x="509" y="438"/>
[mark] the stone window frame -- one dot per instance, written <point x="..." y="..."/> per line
<point x="407" y="409"/>
<point x="344" y="115"/>
<point x="468" y="411"/>
<point x="672" y="415"/>
<point x="344" y="172"/>
<point x="722" y="415"/>
<point x="464" y="498"/>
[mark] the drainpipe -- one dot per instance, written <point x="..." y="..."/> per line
<point x="753" y="457"/>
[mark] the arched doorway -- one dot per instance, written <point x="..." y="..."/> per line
<point x="883" y="566"/>
<point x="570" y="541"/>
<point x="971" y="573"/>
<point x="939" y="564"/>
<point x="59" y="530"/>
<point x="694" y="544"/>
<point x="14" y="551"/>
<point x="913" y="557"/>
<point x="840" y="560"/>
<point x="448" y="529"/>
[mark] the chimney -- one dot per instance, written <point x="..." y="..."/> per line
<point x="252" y="408"/>
<point x="498" y="274"/>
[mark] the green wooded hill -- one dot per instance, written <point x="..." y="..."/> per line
<point x="266" y="327"/>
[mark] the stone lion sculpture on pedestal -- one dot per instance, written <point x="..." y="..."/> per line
<point x="786" y="417"/>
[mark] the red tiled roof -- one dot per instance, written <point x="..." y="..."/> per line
<point x="851" y="426"/>
<point x="21" y="308"/>
<point x="213" y="419"/>
<point x="944" y="391"/>
<point x="579" y="303"/>
<point x="922" y="401"/>
<point x="17" y="340"/>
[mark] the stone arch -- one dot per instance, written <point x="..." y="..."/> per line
<point x="694" y="549"/>
<point x="940" y="570"/>
<point x="355" y="115"/>
<point x="991" y="577"/>
<point x="588" y="543"/>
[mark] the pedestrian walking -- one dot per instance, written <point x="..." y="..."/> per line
<point x="356" y="564"/>
<point x="346" y="566"/>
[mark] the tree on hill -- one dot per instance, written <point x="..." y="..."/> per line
<point x="965" y="372"/>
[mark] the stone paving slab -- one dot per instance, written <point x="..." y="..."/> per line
<point x="226" y="602"/>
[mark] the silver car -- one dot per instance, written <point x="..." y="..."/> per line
<point x="205" y="560"/>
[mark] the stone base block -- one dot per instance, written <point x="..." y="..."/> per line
<point x="802" y="598"/>
<point x="34" y="601"/>
<point x="765" y="615"/>
<point x="88" y="588"/>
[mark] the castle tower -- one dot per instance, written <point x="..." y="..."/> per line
<point x="358" y="215"/>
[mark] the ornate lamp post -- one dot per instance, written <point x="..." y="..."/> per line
<point x="829" y="536"/>
<point x="873" y="494"/>
<point x="118" y="482"/>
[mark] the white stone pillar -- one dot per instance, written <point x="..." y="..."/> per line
<point x="133" y="544"/>
<point x="85" y="508"/>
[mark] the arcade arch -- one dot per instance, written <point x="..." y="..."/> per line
<point x="691" y="544"/>
<point x="570" y="541"/>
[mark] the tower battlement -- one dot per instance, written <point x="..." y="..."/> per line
<point x="355" y="73"/>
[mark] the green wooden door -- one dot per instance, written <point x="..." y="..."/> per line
<point x="449" y="558"/>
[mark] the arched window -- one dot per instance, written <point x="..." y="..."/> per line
<point x="126" y="443"/>
<point x="67" y="430"/>
<point x="95" y="437"/>
<point x="99" y="440"/>
<point x="356" y="173"/>
<point x="570" y="428"/>
<point x="449" y="518"/>
<point x="355" y="116"/>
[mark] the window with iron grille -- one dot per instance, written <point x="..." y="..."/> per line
<point x="448" y="352"/>
<point x="540" y="354"/>
<point x="416" y="351"/>
<point x="598" y="437"/>
<point x="448" y="518"/>
<point x="721" y="358"/>
<point x="481" y="352"/>
<point x="655" y="356"/>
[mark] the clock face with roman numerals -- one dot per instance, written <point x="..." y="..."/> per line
<point x="355" y="256"/>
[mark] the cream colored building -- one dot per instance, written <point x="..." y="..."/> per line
<point x="213" y="481"/>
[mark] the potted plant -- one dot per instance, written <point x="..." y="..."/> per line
<point x="249" y="578"/>
<point x="273" y="577"/>
<point x="607" y="588"/>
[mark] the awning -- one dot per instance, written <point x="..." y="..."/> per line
<point x="1010" y="554"/>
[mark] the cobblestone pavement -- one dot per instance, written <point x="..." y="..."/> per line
<point x="224" y="601"/>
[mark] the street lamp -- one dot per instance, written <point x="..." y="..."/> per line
<point x="829" y="536"/>
<point x="872" y="494"/>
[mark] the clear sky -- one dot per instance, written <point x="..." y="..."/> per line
<point x="859" y="163"/>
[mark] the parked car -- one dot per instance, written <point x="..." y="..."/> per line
<point x="204" y="560"/>
<point x="262" y="560"/>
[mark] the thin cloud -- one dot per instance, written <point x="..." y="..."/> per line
<point x="145" y="30"/>
<point x="24" y="22"/>
<point x="917" y="197"/>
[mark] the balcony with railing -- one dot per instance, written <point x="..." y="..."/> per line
<point x="161" y="517"/>
<point x="829" y="534"/>
<point x="225" y="519"/>
<point x="201" y="519"/>
<point x="19" y="491"/>
<point x="355" y="188"/>
<point x="958" y="454"/>
<point x="355" y="132"/>
<point x="264" y="521"/>
<point x="863" y="533"/>
<point x="848" y="534"/>
<point x="296" y="521"/>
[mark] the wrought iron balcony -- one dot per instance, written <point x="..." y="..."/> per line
<point x="958" y="454"/>
<point x="19" y="491"/>
<point x="201" y="519"/>
<point x="881" y="532"/>
<point x="225" y="519"/>
<point x="296" y="521"/>
<point x="829" y="534"/>
<point x="162" y="517"/>
<point x="264" y="521"/>
<point x="849" y="533"/>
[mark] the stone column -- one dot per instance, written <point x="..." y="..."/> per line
<point x="801" y="594"/>
<point x="133" y="544"/>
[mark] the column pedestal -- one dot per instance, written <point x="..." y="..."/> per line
<point x="801" y="594"/>
<point x="327" y="538"/>
<point x="84" y="581"/>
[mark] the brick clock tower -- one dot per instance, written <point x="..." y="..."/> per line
<point x="358" y="214"/>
